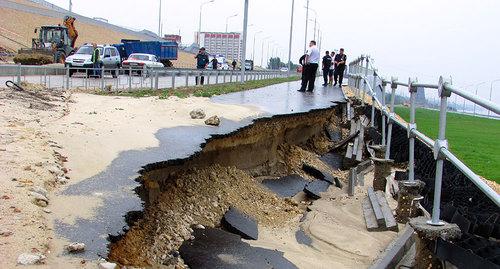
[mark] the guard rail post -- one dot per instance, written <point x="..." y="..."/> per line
<point x="372" y="120"/>
<point x="130" y="78"/>
<point x="384" y="84"/>
<point x="199" y="77"/>
<point x="45" y="76"/>
<point x="157" y="80"/>
<point x="231" y="76"/>
<point x="412" y="127"/>
<point x="365" y="81"/>
<point x="208" y="77"/>
<point x="102" y="78"/>
<point x="173" y="80"/>
<point x="394" y="86"/>
<point x="19" y="74"/>
<point x="217" y="77"/>
<point x="440" y="144"/>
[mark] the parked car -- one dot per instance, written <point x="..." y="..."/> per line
<point x="284" y="69"/>
<point x="139" y="61"/>
<point x="248" y="65"/>
<point x="109" y="58"/>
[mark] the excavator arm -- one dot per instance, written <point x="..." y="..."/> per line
<point x="72" y="32"/>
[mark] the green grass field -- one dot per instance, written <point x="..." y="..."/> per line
<point x="474" y="140"/>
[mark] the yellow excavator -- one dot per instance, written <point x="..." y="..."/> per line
<point x="56" y="41"/>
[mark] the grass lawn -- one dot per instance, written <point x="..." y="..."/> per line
<point x="474" y="140"/>
<point x="203" y="91"/>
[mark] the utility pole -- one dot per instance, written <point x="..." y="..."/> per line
<point x="199" y="21"/>
<point x="159" y="20"/>
<point x="253" y="48"/>
<point x="307" y="20"/>
<point x="70" y="6"/>
<point x="290" y="42"/>
<point x="244" y="45"/>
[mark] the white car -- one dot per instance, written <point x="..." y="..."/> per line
<point x="284" y="69"/>
<point x="139" y="61"/>
<point x="109" y="58"/>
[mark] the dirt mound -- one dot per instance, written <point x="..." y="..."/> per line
<point x="198" y="196"/>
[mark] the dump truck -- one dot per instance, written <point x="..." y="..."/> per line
<point x="165" y="51"/>
<point x="53" y="44"/>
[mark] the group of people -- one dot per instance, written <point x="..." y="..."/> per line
<point x="332" y="65"/>
<point x="202" y="62"/>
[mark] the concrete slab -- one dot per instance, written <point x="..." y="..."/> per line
<point x="286" y="186"/>
<point x="215" y="248"/>
<point x="315" y="188"/>
<point x="241" y="224"/>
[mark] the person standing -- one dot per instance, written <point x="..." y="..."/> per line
<point x="310" y="68"/>
<point x="96" y="61"/>
<point x="234" y="63"/>
<point x="339" y="62"/>
<point x="215" y="63"/>
<point x="332" y="68"/>
<point x="326" y="64"/>
<point x="201" y="63"/>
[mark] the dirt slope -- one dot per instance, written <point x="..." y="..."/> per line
<point x="17" y="30"/>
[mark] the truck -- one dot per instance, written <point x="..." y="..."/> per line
<point x="53" y="41"/>
<point x="165" y="51"/>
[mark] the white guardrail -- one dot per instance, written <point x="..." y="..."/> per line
<point x="359" y="71"/>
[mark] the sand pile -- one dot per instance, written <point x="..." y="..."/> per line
<point x="197" y="196"/>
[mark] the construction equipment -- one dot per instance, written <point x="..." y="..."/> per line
<point x="54" y="41"/>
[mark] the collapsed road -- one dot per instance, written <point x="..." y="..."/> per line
<point x="198" y="172"/>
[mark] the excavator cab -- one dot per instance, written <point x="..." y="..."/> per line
<point x="52" y="36"/>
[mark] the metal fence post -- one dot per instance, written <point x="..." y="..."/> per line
<point x="187" y="78"/>
<point x="19" y="74"/>
<point x="231" y="76"/>
<point x="412" y="126"/>
<point x="102" y="78"/>
<point x="372" y="120"/>
<point x="217" y="77"/>
<point x="45" y="76"/>
<point x="384" y="84"/>
<point x="224" y="77"/>
<point x="208" y="77"/>
<point x="394" y="86"/>
<point x="173" y="80"/>
<point x="441" y="143"/>
<point x="365" y="80"/>
<point x="130" y="78"/>
<point x="157" y="80"/>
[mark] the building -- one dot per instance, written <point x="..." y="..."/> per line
<point x="227" y="44"/>
<point x="174" y="38"/>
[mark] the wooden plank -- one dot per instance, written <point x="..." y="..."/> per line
<point x="377" y="211"/>
<point x="345" y="141"/>
<point x="353" y="127"/>
<point x="370" y="220"/>
<point x="356" y="140"/>
<point x="361" y="145"/>
<point x="352" y="181"/>
<point x="390" y="221"/>
<point x="348" y="153"/>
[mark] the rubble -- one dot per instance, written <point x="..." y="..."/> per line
<point x="30" y="259"/>
<point x="75" y="247"/>
<point x="214" y="121"/>
<point x="197" y="114"/>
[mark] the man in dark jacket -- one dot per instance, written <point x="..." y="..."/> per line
<point x="201" y="63"/>
<point x="340" y="60"/>
<point x="215" y="63"/>
<point x="326" y="63"/>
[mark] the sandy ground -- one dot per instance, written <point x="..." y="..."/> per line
<point x="338" y="232"/>
<point x="88" y="132"/>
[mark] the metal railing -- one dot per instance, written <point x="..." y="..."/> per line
<point x="126" y="79"/>
<point x="359" y="72"/>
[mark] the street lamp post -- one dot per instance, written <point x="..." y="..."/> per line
<point x="491" y="90"/>
<point x="243" y="50"/>
<point x="253" y="47"/>
<point x="290" y="42"/>
<point x="477" y="86"/>
<point x="199" y="21"/>
<point x="307" y="20"/>
<point x="159" y="20"/>
<point x="262" y="52"/>
<point x="227" y="36"/>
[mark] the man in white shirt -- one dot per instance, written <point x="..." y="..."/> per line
<point x="310" y="68"/>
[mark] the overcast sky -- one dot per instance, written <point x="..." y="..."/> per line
<point x="419" y="38"/>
